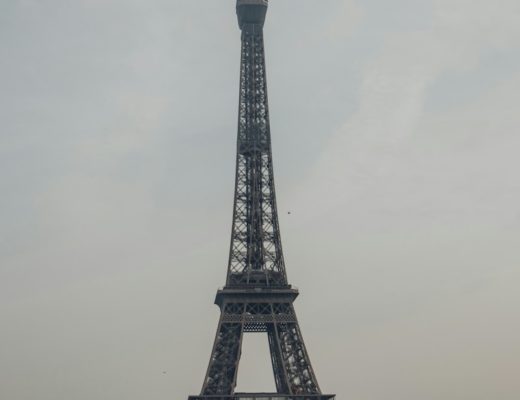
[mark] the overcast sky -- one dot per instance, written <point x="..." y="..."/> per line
<point x="396" y="141"/>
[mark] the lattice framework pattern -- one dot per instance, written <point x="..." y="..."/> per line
<point x="257" y="296"/>
<point x="256" y="251"/>
<point x="291" y="365"/>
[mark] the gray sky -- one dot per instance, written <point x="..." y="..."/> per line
<point x="396" y="142"/>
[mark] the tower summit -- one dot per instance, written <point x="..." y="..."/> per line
<point x="257" y="296"/>
<point x="251" y="12"/>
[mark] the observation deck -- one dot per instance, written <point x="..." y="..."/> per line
<point x="251" y="12"/>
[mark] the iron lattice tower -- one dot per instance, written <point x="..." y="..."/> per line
<point x="257" y="296"/>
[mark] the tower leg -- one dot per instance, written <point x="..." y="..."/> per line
<point x="298" y="371"/>
<point x="280" y="376"/>
<point x="221" y="377"/>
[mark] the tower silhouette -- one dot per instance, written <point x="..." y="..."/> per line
<point x="257" y="296"/>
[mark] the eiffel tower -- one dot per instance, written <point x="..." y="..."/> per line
<point x="257" y="296"/>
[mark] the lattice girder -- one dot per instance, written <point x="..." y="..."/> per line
<point x="271" y="313"/>
<point x="257" y="297"/>
<point x="256" y="257"/>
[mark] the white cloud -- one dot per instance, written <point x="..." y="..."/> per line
<point x="395" y="86"/>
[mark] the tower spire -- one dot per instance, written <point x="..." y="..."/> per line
<point x="255" y="256"/>
<point x="257" y="296"/>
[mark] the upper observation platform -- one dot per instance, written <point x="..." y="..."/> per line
<point x="251" y="12"/>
